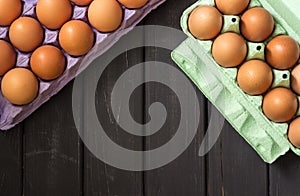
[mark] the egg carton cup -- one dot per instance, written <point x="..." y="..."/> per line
<point x="10" y="115"/>
<point x="218" y="84"/>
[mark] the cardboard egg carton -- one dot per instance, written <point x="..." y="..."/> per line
<point x="218" y="84"/>
<point x="10" y="114"/>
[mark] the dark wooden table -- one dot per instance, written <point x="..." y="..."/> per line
<point x="45" y="156"/>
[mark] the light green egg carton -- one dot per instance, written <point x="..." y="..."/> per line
<point x="218" y="84"/>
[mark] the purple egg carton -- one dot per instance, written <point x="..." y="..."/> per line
<point x="10" y="115"/>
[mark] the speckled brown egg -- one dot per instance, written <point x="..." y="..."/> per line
<point x="19" y="86"/>
<point x="205" y="22"/>
<point x="257" y="24"/>
<point x="105" y="16"/>
<point x="9" y="11"/>
<point x="294" y="132"/>
<point x="133" y="4"/>
<point x="295" y="79"/>
<point x="232" y="7"/>
<point x="26" y="34"/>
<point x="229" y="49"/>
<point x="53" y="13"/>
<point x="255" y="77"/>
<point x="76" y="37"/>
<point x="282" y="52"/>
<point x="8" y="57"/>
<point x="48" y="62"/>
<point x="280" y="105"/>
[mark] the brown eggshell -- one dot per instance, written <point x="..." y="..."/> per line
<point x="229" y="49"/>
<point x="26" y="34"/>
<point x="133" y="4"/>
<point x="53" y="13"/>
<point x="257" y="24"/>
<point x="19" y="86"/>
<point x="9" y="11"/>
<point x="8" y="57"/>
<point x="82" y="2"/>
<point x="105" y="16"/>
<point x="295" y="79"/>
<point x="76" y="37"/>
<point x="48" y="62"/>
<point x="205" y="22"/>
<point x="232" y="7"/>
<point x="255" y="77"/>
<point x="294" y="132"/>
<point x="280" y="105"/>
<point x="282" y="52"/>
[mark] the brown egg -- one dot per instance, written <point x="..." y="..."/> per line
<point x="53" y="13"/>
<point x="205" y="22"/>
<point x="26" y="34"/>
<point x="19" y="86"/>
<point x="280" y="105"/>
<point x="48" y="62"/>
<point x="255" y="77"/>
<point x="229" y="49"/>
<point x="232" y="7"/>
<point x="133" y="4"/>
<point x="8" y="57"/>
<point x="105" y="16"/>
<point x="257" y="24"/>
<point x="76" y="37"/>
<point x="9" y="11"/>
<point x="82" y="2"/>
<point x="282" y="52"/>
<point x="294" y="132"/>
<point x="295" y="79"/>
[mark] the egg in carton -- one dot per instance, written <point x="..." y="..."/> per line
<point x="12" y="114"/>
<point x="247" y="89"/>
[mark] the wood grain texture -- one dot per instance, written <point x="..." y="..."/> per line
<point x="11" y="161"/>
<point x="186" y="174"/>
<point x="52" y="149"/>
<point x="101" y="178"/>
<point x="284" y="176"/>
<point x="233" y="167"/>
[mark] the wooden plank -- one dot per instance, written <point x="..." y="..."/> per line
<point x="234" y="168"/>
<point x="186" y="174"/>
<point x="101" y="178"/>
<point x="284" y="175"/>
<point x="52" y="149"/>
<point x="11" y="161"/>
